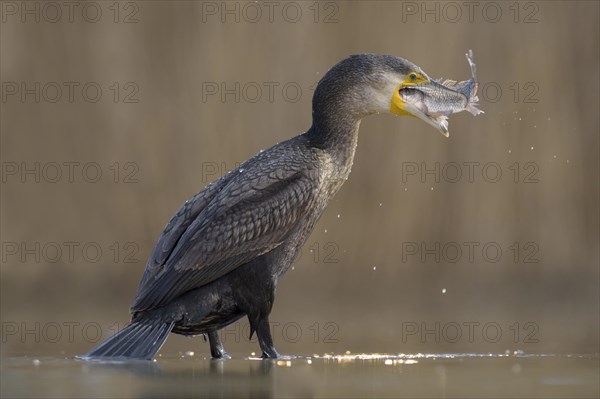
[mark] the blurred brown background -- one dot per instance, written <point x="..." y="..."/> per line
<point x="165" y="125"/>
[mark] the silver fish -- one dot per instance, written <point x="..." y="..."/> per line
<point x="438" y="100"/>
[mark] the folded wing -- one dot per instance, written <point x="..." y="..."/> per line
<point x="223" y="227"/>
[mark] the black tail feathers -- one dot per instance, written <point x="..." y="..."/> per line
<point x="139" y="340"/>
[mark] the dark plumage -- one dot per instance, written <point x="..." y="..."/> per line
<point x="220" y="256"/>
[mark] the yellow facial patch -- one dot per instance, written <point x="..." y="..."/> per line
<point x="414" y="78"/>
<point x="397" y="105"/>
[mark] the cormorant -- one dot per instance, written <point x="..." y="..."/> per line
<point x="221" y="255"/>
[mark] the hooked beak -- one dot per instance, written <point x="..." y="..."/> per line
<point x="415" y="107"/>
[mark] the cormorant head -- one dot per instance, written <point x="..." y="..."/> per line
<point x="365" y="84"/>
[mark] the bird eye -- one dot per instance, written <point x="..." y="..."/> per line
<point x="413" y="76"/>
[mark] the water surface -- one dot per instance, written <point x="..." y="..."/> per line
<point x="369" y="375"/>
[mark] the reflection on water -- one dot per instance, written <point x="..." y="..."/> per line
<point x="350" y="375"/>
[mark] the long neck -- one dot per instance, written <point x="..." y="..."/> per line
<point x="337" y="136"/>
<point x="335" y="124"/>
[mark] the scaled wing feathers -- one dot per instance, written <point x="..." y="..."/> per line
<point x="217" y="231"/>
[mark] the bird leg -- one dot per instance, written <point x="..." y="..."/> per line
<point x="217" y="350"/>
<point x="263" y="332"/>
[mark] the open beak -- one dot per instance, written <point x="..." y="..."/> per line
<point x="434" y="101"/>
<point x="408" y="100"/>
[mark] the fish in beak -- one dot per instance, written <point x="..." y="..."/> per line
<point x="434" y="101"/>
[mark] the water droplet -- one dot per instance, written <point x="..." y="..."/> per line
<point x="509" y="151"/>
<point x="189" y="353"/>
<point x="293" y="268"/>
<point x="443" y="290"/>
<point x="405" y="189"/>
<point x="431" y="188"/>
<point x="567" y="161"/>
<point x="532" y="147"/>
<point x="380" y="204"/>
<point x="339" y="216"/>
<point x="36" y="362"/>
<point x="253" y="354"/>
<point x="374" y="267"/>
<point x="325" y="230"/>
<point x="309" y="361"/>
